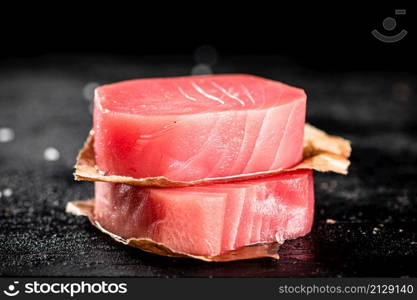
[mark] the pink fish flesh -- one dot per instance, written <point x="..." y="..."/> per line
<point x="213" y="219"/>
<point x="197" y="127"/>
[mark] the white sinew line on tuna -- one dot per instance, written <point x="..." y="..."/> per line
<point x="190" y="128"/>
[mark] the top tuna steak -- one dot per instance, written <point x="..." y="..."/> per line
<point x="190" y="128"/>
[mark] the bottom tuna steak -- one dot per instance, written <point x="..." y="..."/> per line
<point x="210" y="220"/>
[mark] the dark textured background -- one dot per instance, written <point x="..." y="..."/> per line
<point x="375" y="233"/>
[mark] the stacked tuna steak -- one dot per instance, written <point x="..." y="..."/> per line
<point x="200" y="166"/>
<point x="191" y="128"/>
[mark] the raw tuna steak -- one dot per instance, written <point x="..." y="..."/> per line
<point x="213" y="219"/>
<point x="190" y="128"/>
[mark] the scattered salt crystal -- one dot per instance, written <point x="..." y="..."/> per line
<point x="201" y="69"/>
<point x="331" y="221"/>
<point x="51" y="154"/>
<point x="324" y="185"/>
<point x="88" y="90"/>
<point x="7" y="192"/>
<point x="6" y="134"/>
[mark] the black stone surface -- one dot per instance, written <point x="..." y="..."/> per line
<point x="375" y="206"/>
